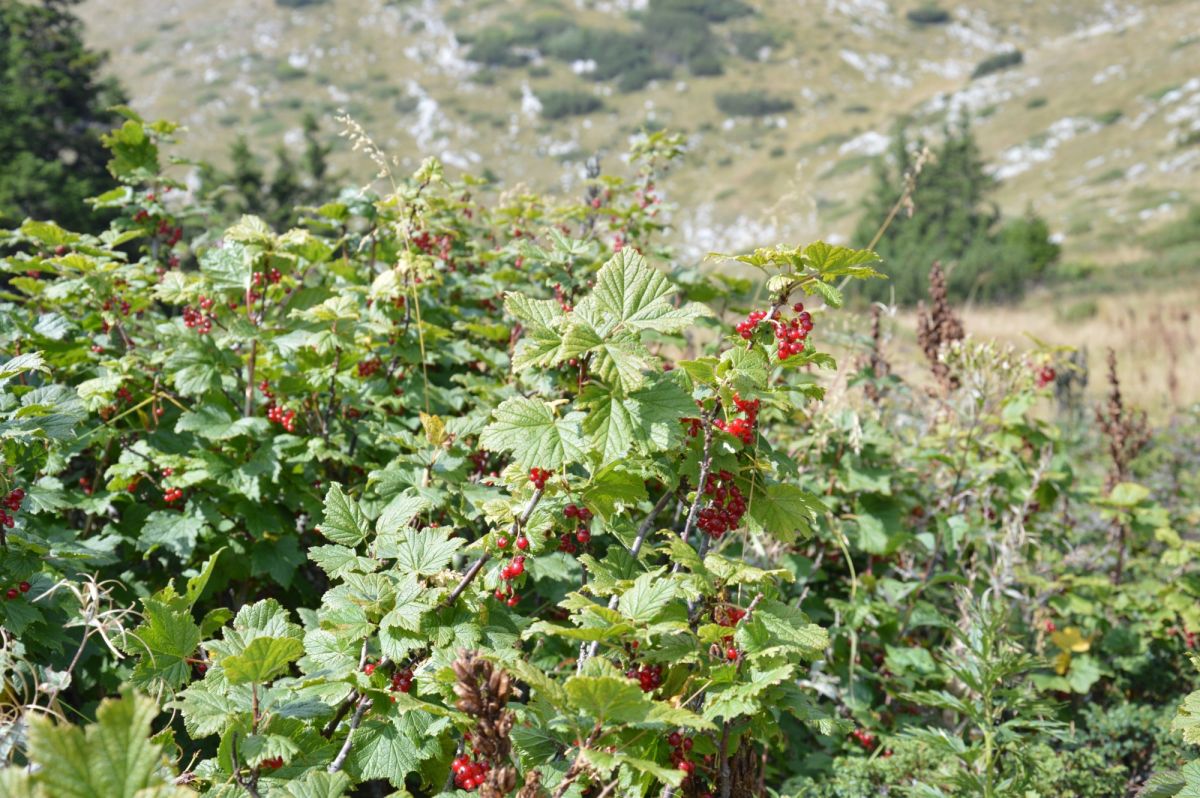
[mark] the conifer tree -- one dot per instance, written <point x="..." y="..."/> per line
<point x="53" y="107"/>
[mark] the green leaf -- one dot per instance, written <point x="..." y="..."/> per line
<point x="426" y="552"/>
<point x="608" y="699"/>
<point x="608" y="425"/>
<point x="831" y="295"/>
<point x="175" y="531"/>
<point x="227" y="266"/>
<point x="783" y="510"/>
<point x="529" y="430"/>
<point x="112" y="758"/>
<point x="1128" y="494"/>
<point x="165" y="640"/>
<point x="344" y="521"/>
<point x="631" y="295"/>
<point x="832" y="260"/>
<point x="656" y="411"/>
<point x="391" y="748"/>
<point x="319" y="784"/>
<point x="647" y="597"/>
<point x="134" y="153"/>
<point x="402" y="509"/>
<point x="263" y="660"/>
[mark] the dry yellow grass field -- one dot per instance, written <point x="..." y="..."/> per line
<point x="1155" y="338"/>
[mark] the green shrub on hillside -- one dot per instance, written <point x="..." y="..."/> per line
<point x="953" y="222"/>
<point x="559" y="103"/>
<point x="752" y="103"/>
<point x="928" y="15"/>
<point x="998" y="62"/>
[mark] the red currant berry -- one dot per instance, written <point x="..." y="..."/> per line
<point x="24" y="586"/>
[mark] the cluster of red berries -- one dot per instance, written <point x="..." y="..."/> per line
<point x="14" y="592"/>
<point x="511" y="571"/>
<point x="469" y="775"/>
<point x="727" y="507"/>
<point x="650" y="677"/>
<point x="172" y="495"/>
<point x="502" y="542"/>
<point x="402" y="680"/>
<point x="790" y="335"/>
<point x="864" y="738"/>
<point x="274" y="763"/>
<point x="86" y="484"/>
<point x="1046" y="375"/>
<point x="366" y="368"/>
<point x="747" y="327"/>
<point x="679" y="755"/>
<point x="728" y="615"/>
<point x="285" y="418"/>
<point x="194" y="319"/>
<point x="427" y="242"/>
<point x="108" y="305"/>
<point x="173" y="235"/>
<point x="13" y="502"/>
<point x="582" y="535"/>
<point x="741" y="428"/>
<point x="538" y="477"/>
<point x="272" y="276"/>
<point x="561" y="296"/>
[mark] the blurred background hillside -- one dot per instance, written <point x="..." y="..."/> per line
<point x="1081" y="163"/>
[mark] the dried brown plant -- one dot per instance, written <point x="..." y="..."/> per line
<point x="938" y="327"/>
<point x="483" y="691"/>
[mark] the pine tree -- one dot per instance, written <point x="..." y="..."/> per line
<point x="53" y="108"/>
<point x="953" y="222"/>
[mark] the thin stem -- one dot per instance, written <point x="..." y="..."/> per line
<point x="705" y="467"/>
<point x="249" y="785"/>
<point x="642" y="533"/>
<point x="364" y="703"/>
<point x="477" y="566"/>
<point x="248" y="406"/>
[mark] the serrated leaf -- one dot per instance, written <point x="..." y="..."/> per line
<point x="227" y="267"/>
<point x="829" y="293"/>
<point x="112" y="758"/>
<point x="647" y="597"/>
<point x="529" y="430"/>
<point x="401" y="510"/>
<point x="264" y="659"/>
<point x="426" y="552"/>
<point x="344" y="521"/>
<point x="783" y="510"/>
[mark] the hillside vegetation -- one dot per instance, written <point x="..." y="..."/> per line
<point x="788" y="103"/>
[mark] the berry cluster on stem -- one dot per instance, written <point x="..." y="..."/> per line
<point x="13" y="503"/>
<point x="724" y="512"/>
<point x="790" y="334"/>
<point x="197" y="320"/>
<point x="469" y="774"/>
<point x="539" y="476"/>
<point x="742" y="427"/>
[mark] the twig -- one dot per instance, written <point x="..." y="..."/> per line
<point x="337" y="364"/>
<point x="249" y="785"/>
<point x="477" y="566"/>
<point x="642" y="532"/>
<point x="705" y="467"/>
<point x="363" y="704"/>
<point x="248" y="407"/>
<point x="577" y="766"/>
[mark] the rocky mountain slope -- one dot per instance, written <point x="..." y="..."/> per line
<point x="1097" y="127"/>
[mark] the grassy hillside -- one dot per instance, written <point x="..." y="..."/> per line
<point x="1098" y="128"/>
